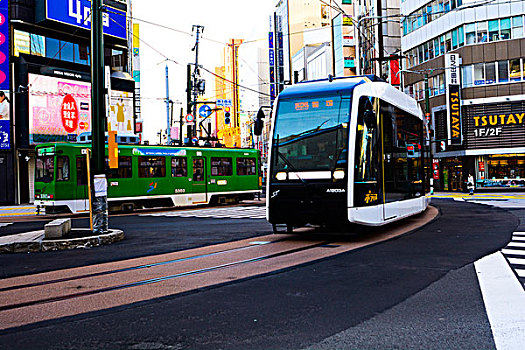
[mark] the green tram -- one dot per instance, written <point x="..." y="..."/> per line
<point x="146" y="177"/>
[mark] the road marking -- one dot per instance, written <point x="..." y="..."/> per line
<point x="514" y="244"/>
<point x="504" y="300"/>
<point x="513" y="252"/>
<point x="219" y="213"/>
<point x="520" y="272"/>
<point x="25" y="213"/>
<point x="516" y="261"/>
<point x="4" y="224"/>
<point x="518" y="238"/>
<point x="17" y="208"/>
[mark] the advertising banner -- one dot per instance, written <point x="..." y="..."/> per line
<point x="5" y="122"/>
<point x="77" y="13"/>
<point x="60" y="109"/>
<point x="453" y="99"/>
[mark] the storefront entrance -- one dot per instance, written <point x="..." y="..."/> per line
<point x="452" y="175"/>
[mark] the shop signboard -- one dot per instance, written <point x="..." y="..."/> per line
<point x="435" y="169"/>
<point x="60" y="109"/>
<point x="5" y="122"/>
<point x="77" y="13"/>
<point x="453" y="99"/>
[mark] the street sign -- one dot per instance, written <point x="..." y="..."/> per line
<point x="224" y="102"/>
<point x="204" y="111"/>
<point x="189" y="118"/>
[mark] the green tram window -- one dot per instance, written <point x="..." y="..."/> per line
<point x="152" y="167"/>
<point x="44" y="169"/>
<point x="246" y="166"/>
<point x="221" y="166"/>
<point x="123" y="171"/>
<point x="198" y="169"/>
<point x="179" y="167"/>
<point x="81" y="171"/>
<point x="62" y="168"/>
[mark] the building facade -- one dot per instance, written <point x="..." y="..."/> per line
<point x="50" y="81"/>
<point x="472" y="55"/>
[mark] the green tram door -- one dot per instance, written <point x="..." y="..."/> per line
<point x="199" y="190"/>
<point x="81" y="190"/>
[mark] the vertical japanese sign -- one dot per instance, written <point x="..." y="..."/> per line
<point x="271" y="61"/>
<point x="5" y="132"/>
<point x="453" y="99"/>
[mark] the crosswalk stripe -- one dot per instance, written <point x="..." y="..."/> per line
<point x="226" y="213"/>
<point x="4" y="224"/>
<point x="520" y="272"/>
<point x="518" y="238"/>
<point x="513" y="252"/>
<point x="515" y="244"/>
<point x="516" y="261"/>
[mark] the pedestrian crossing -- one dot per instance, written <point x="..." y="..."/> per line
<point x="252" y="212"/>
<point x="514" y="252"/>
<point x="4" y="224"/>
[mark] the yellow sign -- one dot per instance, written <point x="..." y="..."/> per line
<point x="499" y="119"/>
<point x="370" y="197"/>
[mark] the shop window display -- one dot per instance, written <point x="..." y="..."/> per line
<point x="505" y="171"/>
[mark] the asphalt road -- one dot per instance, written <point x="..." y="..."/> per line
<point x="415" y="291"/>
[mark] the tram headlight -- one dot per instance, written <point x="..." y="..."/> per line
<point x="281" y="176"/>
<point x="339" y="174"/>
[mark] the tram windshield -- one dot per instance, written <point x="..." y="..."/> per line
<point x="311" y="134"/>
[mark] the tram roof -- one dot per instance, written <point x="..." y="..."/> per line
<point x="342" y="86"/>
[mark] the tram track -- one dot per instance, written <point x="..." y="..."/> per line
<point x="46" y="296"/>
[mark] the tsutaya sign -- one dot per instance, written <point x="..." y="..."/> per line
<point x="453" y="99"/>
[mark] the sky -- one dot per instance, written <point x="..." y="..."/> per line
<point x="222" y="20"/>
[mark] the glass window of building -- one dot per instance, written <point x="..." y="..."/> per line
<point x="515" y="69"/>
<point x="482" y="32"/>
<point x="466" y="76"/>
<point x="425" y="49"/>
<point x="454" y="39"/>
<point x="461" y="36"/>
<point x="517" y="27"/>
<point x="436" y="47"/>
<point x="503" y="71"/>
<point x="504" y="25"/>
<point x="66" y="51"/>
<point x="38" y="45"/>
<point x="442" y="44"/>
<point x="448" y="42"/>
<point x="490" y="72"/>
<point x="479" y="74"/>
<point x="470" y="30"/>
<point x="431" y="49"/>
<point x="494" y="30"/>
<point x="53" y="48"/>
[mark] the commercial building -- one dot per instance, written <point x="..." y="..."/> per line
<point x="473" y="54"/>
<point x="49" y="82"/>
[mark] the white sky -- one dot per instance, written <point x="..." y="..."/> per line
<point x="222" y="20"/>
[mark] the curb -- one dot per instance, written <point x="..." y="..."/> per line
<point x="41" y="245"/>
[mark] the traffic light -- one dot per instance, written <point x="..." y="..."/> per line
<point x="443" y="146"/>
<point x="227" y="115"/>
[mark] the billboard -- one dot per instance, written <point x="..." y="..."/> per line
<point x="5" y="123"/>
<point x="77" y="13"/>
<point x="454" y="123"/>
<point x="60" y="109"/>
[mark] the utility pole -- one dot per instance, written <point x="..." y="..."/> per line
<point x="98" y="120"/>
<point x="198" y="29"/>
<point x="189" y="87"/>
<point x="168" y="123"/>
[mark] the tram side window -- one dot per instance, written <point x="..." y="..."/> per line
<point x="198" y="169"/>
<point x="221" y="166"/>
<point x="81" y="171"/>
<point x="152" y="166"/>
<point x="123" y="171"/>
<point x="62" y="168"/>
<point x="367" y="146"/>
<point x="179" y="167"/>
<point x="246" y="166"/>
<point x="44" y="169"/>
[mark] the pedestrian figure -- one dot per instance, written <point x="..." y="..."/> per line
<point x="470" y="184"/>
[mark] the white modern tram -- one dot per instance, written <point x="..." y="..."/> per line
<point x="345" y="150"/>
